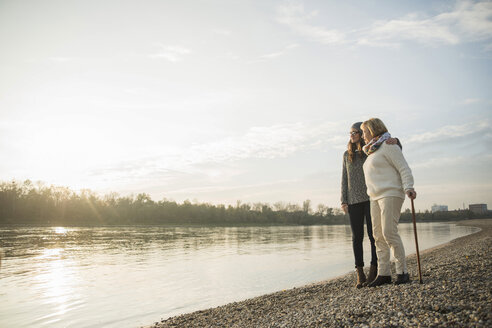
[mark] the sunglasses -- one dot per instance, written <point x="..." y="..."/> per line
<point x="353" y="133"/>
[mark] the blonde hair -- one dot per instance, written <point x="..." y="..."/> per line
<point x="375" y="126"/>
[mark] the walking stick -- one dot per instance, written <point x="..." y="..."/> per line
<point x="416" y="241"/>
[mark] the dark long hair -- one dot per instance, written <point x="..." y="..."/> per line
<point x="354" y="148"/>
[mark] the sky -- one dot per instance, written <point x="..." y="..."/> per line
<point x="223" y="100"/>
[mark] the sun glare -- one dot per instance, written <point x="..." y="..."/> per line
<point x="51" y="253"/>
<point x="60" y="230"/>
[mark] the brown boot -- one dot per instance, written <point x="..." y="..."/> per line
<point x="373" y="273"/>
<point x="361" y="277"/>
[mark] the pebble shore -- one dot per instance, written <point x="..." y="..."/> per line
<point x="457" y="292"/>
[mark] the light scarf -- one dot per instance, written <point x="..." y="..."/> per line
<point x="375" y="143"/>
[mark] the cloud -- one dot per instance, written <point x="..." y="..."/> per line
<point x="270" y="142"/>
<point x="171" y="53"/>
<point x="450" y="131"/>
<point x="272" y="55"/>
<point x="294" y="16"/>
<point x="488" y="48"/>
<point x="472" y="19"/>
<point x="470" y="101"/>
<point x="391" y="32"/>
<point x="440" y="162"/>
<point x="468" y="21"/>
<point x="278" y="54"/>
<point x="262" y="142"/>
<point x="447" y="162"/>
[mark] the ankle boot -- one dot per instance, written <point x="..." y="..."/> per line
<point x="402" y="278"/>
<point x="361" y="277"/>
<point x="373" y="272"/>
<point x="380" y="280"/>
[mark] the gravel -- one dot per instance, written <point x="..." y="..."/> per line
<point x="457" y="292"/>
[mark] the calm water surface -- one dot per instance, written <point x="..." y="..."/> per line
<point x="131" y="276"/>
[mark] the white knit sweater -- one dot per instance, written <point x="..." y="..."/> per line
<point x="387" y="173"/>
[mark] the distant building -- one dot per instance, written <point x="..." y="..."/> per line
<point x="478" y="208"/>
<point x="439" y="208"/>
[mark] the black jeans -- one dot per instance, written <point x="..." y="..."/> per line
<point x="357" y="213"/>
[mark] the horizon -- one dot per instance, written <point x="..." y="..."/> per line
<point x="222" y="101"/>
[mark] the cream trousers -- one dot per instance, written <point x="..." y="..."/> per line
<point x="385" y="213"/>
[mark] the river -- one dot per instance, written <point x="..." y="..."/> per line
<point x="132" y="276"/>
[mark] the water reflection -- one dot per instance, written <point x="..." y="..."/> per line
<point x="60" y="230"/>
<point x="55" y="281"/>
<point x="131" y="276"/>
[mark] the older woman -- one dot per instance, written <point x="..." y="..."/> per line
<point x="355" y="202"/>
<point x="388" y="179"/>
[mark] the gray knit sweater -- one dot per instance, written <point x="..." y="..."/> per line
<point x="354" y="188"/>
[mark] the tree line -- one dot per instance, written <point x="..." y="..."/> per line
<point x="37" y="203"/>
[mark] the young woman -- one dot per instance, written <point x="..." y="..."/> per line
<point x="388" y="179"/>
<point x="355" y="202"/>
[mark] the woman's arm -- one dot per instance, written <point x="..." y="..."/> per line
<point x="394" y="141"/>
<point x="395" y="157"/>
<point x="344" y="193"/>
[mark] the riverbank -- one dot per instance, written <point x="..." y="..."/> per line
<point x="457" y="291"/>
